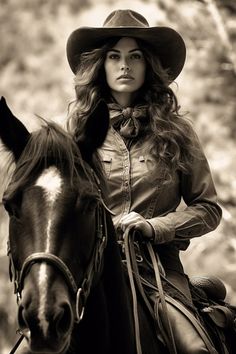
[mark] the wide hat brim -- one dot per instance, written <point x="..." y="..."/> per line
<point x="167" y="44"/>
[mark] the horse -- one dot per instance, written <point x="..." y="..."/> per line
<point x="65" y="262"/>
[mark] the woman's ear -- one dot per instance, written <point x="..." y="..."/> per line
<point x="13" y="133"/>
<point x="94" y="131"/>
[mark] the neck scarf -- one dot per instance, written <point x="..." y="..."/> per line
<point x="128" y="121"/>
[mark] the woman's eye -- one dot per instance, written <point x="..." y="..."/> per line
<point x="136" y="56"/>
<point x="113" y="56"/>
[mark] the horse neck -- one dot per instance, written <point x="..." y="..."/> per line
<point x="107" y="324"/>
<point x="117" y="299"/>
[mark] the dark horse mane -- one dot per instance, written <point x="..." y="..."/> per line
<point x="51" y="144"/>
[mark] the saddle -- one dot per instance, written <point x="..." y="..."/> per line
<point x="219" y="317"/>
<point x="214" y="320"/>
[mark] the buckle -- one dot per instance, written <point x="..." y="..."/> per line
<point x="79" y="306"/>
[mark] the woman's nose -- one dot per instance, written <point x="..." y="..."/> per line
<point x="125" y="67"/>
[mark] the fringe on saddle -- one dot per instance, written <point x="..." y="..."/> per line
<point x="211" y="316"/>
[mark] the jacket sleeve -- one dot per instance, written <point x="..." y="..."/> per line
<point x="202" y="213"/>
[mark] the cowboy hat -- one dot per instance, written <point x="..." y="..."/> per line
<point x="167" y="44"/>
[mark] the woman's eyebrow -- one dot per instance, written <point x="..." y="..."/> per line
<point x="135" y="50"/>
<point x="130" y="51"/>
<point x="114" y="50"/>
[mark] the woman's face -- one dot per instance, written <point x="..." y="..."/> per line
<point x="125" y="68"/>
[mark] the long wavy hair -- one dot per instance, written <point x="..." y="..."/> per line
<point x="171" y="137"/>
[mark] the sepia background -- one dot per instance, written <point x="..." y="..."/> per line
<point x="35" y="79"/>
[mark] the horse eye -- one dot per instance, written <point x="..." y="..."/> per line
<point x="92" y="204"/>
<point x="8" y="208"/>
<point x="12" y="207"/>
<point x="87" y="204"/>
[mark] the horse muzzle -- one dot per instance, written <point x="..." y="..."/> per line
<point x="48" y="332"/>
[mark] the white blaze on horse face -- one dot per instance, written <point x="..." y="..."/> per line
<point x="43" y="287"/>
<point x="50" y="181"/>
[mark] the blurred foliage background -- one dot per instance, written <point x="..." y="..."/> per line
<point x="35" y="79"/>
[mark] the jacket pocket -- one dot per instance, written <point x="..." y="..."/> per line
<point x="151" y="171"/>
<point x="107" y="163"/>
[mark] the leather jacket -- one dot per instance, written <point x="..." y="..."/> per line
<point x="132" y="188"/>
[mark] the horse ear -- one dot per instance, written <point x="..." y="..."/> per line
<point x="13" y="133"/>
<point x="95" y="130"/>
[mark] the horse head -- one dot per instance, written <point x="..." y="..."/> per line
<point x="55" y="236"/>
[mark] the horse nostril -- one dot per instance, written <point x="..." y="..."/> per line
<point x="64" y="319"/>
<point x="60" y="320"/>
<point x="21" y="318"/>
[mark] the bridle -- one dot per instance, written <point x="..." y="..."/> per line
<point x="93" y="271"/>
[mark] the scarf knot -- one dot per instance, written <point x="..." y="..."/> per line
<point x="128" y="121"/>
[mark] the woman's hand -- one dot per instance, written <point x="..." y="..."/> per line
<point x="136" y="221"/>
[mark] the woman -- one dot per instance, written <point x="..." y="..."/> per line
<point x="152" y="157"/>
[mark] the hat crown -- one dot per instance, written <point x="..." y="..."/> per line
<point x="125" y="18"/>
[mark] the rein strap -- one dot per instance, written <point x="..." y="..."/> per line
<point x="133" y="273"/>
<point x="128" y="240"/>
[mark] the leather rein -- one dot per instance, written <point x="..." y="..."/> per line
<point x="93" y="270"/>
<point x="136" y="281"/>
